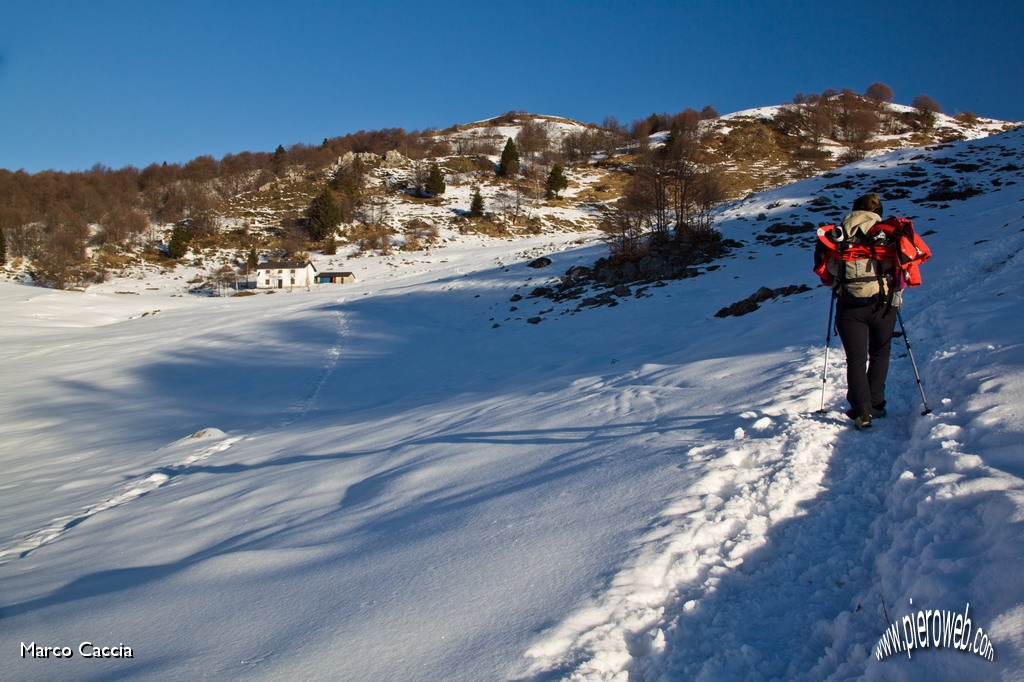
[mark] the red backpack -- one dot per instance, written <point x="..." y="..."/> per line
<point x="892" y="244"/>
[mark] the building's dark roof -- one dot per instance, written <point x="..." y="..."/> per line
<point x="284" y="265"/>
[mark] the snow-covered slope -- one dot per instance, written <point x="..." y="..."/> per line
<point x="402" y="479"/>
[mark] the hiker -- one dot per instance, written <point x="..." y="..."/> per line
<point x="860" y="265"/>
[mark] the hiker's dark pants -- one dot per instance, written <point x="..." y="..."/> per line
<point x="866" y="332"/>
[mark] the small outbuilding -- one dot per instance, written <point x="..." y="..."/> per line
<point x="335" y="278"/>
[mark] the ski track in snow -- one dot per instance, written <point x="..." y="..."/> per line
<point x="302" y="407"/>
<point x="137" y="487"/>
<point x="161" y="476"/>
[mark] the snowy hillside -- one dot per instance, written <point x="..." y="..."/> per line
<point x="402" y="479"/>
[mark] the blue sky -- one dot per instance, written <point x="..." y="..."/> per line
<point x="136" y="82"/>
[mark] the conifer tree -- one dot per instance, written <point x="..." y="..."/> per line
<point x="927" y="109"/>
<point x="278" y="161"/>
<point x="178" y="246"/>
<point x="556" y="180"/>
<point x="476" y="205"/>
<point x="509" y="164"/>
<point x="3" y="248"/>
<point x="435" y="181"/>
<point x="324" y="216"/>
<point x="330" y="246"/>
<point x="252" y="260"/>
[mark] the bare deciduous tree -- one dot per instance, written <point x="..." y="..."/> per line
<point x="579" y="145"/>
<point x="225" y="277"/>
<point x="533" y="140"/>
<point x="879" y="92"/>
<point x="62" y="251"/>
<point x="624" y="230"/>
<point x="293" y="237"/>
<point x="710" y="191"/>
<point x="121" y="225"/>
<point x="646" y="197"/>
<point x="926" y="103"/>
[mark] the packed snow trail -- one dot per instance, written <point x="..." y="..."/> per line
<point x="753" y="539"/>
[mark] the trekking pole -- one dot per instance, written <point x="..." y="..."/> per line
<point x="828" y="342"/>
<point x="913" y="363"/>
